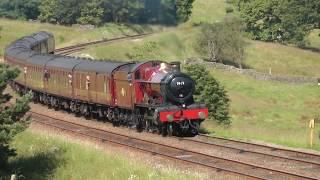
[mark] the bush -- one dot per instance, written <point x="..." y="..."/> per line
<point x="223" y="41"/>
<point x="209" y="91"/>
<point x="229" y="9"/>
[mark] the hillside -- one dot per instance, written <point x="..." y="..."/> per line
<point x="178" y="44"/>
<point x="268" y="111"/>
<point x="14" y="29"/>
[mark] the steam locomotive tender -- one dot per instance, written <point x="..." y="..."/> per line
<point x="153" y="95"/>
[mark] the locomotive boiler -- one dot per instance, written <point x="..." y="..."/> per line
<point x="153" y="95"/>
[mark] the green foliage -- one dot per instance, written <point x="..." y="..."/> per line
<point x="184" y="9"/>
<point x="122" y="10"/>
<point x="91" y="13"/>
<point x="20" y="9"/>
<point x="223" y="41"/>
<point x="47" y="9"/>
<point x="97" y="11"/>
<point x="287" y="21"/>
<point x="11" y="117"/>
<point x="209" y="91"/>
<point x="229" y="9"/>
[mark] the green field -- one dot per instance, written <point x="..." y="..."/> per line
<point x="45" y="157"/>
<point x="283" y="60"/>
<point x="269" y="111"/>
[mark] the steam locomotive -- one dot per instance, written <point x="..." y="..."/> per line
<point x="153" y="95"/>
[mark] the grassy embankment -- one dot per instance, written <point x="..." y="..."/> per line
<point x="12" y="30"/>
<point x="269" y="111"/>
<point x="47" y="157"/>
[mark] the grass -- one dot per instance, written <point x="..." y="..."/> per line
<point x="283" y="60"/>
<point x="179" y="43"/>
<point x="314" y="39"/>
<point x="46" y="157"/>
<point x="208" y="11"/>
<point x="14" y="29"/>
<point x="268" y="111"/>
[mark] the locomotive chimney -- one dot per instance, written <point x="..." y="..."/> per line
<point x="176" y="66"/>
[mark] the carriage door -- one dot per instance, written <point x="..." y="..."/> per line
<point x="25" y="74"/>
<point x="122" y="90"/>
<point x="90" y="83"/>
<point x="46" y="77"/>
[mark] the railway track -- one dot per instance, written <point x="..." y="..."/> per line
<point x="253" y="148"/>
<point x="79" y="47"/>
<point x="238" y="168"/>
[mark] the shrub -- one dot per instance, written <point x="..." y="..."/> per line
<point x="229" y="9"/>
<point x="209" y="91"/>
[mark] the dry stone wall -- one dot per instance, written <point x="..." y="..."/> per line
<point x="257" y="75"/>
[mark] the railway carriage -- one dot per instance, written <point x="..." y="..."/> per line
<point x="153" y="95"/>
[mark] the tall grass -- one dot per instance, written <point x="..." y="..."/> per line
<point x="45" y="157"/>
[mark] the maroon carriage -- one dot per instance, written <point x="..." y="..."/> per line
<point x="152" y="95"/>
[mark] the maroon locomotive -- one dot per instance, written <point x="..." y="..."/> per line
<point x="153" y="95"/>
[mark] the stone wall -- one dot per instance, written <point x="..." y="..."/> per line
<point x="257" y="75"/>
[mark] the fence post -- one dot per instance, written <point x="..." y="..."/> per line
<point x="13" y="177"/>
<point x="311" y="126"/>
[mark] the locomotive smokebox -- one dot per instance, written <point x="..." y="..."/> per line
<point x="176" y="66"/>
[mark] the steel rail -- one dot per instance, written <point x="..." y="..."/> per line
<point x="215" y="158"/>
<point x="81" y="46"/>
<point x="255" y="145"/>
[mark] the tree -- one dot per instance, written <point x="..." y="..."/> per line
<point x="11" y="116"/>
<point x="209" y="91"/>
<point x="223" y="41"/>
<point x="184" y="9"/>
<point x="120" y="11"/>
<point x="91" y="13"/>
<point x="48" y="11"/>
<point x="20" y="9"/>
<point x="60" y="11"/>
<point x="286" y="21"/>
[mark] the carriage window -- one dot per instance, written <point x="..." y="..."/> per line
<point x="46" y="75"/>
<point x="44" y="47"/>
<point x="137" y="75"/>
